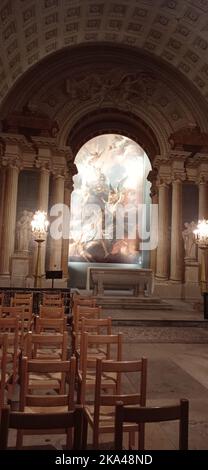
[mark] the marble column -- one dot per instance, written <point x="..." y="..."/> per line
<point x="9" y="218"/>
<point x="65" y="242"/>
<point x="163" y="236"/>
<point x="43" y="196"/>
<point x="55" y="258"/>
<point x="2" y="193"/>
<point x="176" y="269"/>
<point x="203" y="199"/>
<point x="153" y="253"/>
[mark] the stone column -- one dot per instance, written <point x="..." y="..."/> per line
<point x="203" y="199"/>
<point x="9" y="218"/>
<point x="176" y="270"/>
<point x="153" y="253"/>
<point x="65" y="242"/>
<point x="56" y="245"/>
<point x="43" y="196"/>
<point x="2" y="193"/>
<point x="163" y="238"/>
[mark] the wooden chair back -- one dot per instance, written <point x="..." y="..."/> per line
<point x="38" y="421"/>
<point x="108" y="347"/>
<point x="85" y="312"/>
<point x="27" y="302"/>
<point x="1" y="298"/>
<point x="108" y="401"/>
<point x="125" y="414"/>
<point x="31" y="367"/>
<point x="81" y="301"/>
<point x="50" y="325"/>
<point x="11" y="327"/>
<point x="96" y="326"/>
<point x="12" y="312"/>
<point x="53" y="302"/>
<point x="46" y="346"/>
<point x="30" y="398"/>
<point x="51" y="312"/>
<point x="27" y="305"/>
<point x="3" y="357"/>
<point x="25" y="321"/>
<point x="90" y="313"/>
<point x="23" y="296"/>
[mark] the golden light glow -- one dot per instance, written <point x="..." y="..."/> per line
<point x="39" y="225"/>
<point x="201" y="233"/>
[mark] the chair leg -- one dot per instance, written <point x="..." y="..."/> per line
<point x="131" y="440"/>
<point x="19" y="441"/>
<point x="84" y="433"/>
<point x="69" y="439"/>
<point x="141" y="440"/>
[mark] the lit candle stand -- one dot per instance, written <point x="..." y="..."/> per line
<point x="39" y="226"/>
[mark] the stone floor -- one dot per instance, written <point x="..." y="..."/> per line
<point x="174" y="371"/>
<point x="177" y="368"/>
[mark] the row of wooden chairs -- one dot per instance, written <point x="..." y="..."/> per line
<point x="98" y="371"/>
<point x="74" y="420"/>
<point x="20" y="298"/>
<point x="98" y="367"/>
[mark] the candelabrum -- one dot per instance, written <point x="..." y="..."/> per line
<point x="201" y="238"/>
<point x="39" y="226"/>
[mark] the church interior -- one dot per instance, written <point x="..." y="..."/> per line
<point x="104" y="224"/>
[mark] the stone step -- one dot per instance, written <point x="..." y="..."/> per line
<point x="134" y="303"/>
<point x="160" y="323"/>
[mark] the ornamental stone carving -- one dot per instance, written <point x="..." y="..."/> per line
<point x="23" y="230"/>
<point x="189" y="241"/>
<point x="114" y="86"/>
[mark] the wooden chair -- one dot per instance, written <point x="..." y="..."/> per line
<point x="32" y="401"/>
<point x="11" y="327"/>
<point x="82" y="313"/>
<point x="53" y="302"/>
<point x="50" y="325"/>
<point x="46" y="346"/>
<point x="107" y="347"/>
<point x="81" y="301"/>
<point x="1" y="299"/>
<point x="28" y="316"/>
<point x="16" y="312"/>
<point x="52" y="296"/>
<point x="3" y="369"/>
<point x="38" y="421"/>
<point x="101" y="415"/>
<point x="51" y="312"/>
<point x="125" y="414"/>
<point x="23" y="295"/>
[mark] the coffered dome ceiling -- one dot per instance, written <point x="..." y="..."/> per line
<point x="175" y="30"/>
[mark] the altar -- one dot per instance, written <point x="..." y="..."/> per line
<point x="102" y="279"/>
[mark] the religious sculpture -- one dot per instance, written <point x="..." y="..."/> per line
<point x="189" y="240"/>
<point x="24" y="231"/>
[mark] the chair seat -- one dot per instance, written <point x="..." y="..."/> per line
<point x="46" y="409"/>
<point x="107" y="419"/>
<point x="107" y="377"/>
<point x="50" y="380"/>
<point x="49" y="354"/>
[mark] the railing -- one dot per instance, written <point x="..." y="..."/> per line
<point x="38" y="296"/>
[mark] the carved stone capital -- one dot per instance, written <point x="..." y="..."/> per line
<point x="163" y="182"/>
<point x="12" y="161"/>
<point x="43" y="164"/>
<point x="202" y="178"/>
